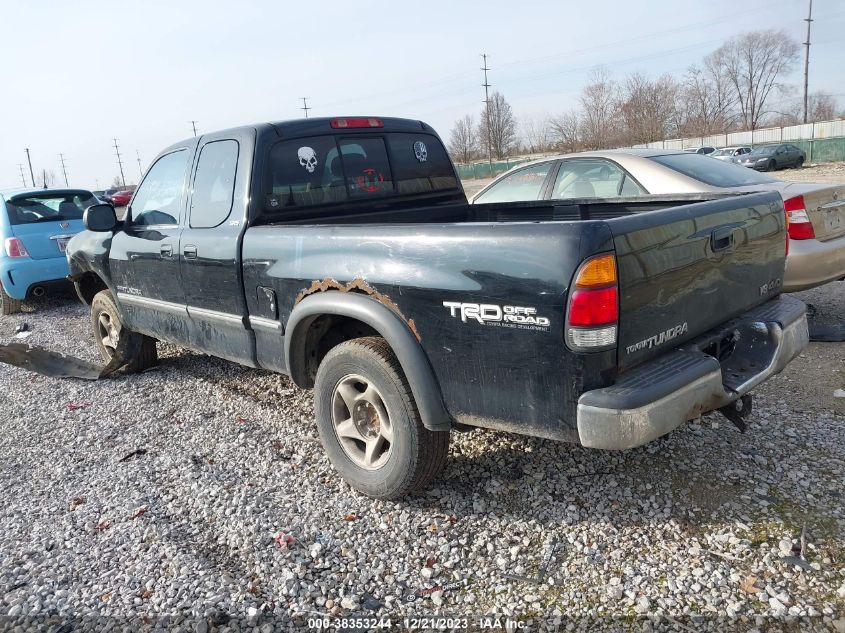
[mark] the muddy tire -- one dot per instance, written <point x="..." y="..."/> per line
<point x="110" y="335"/>
<point x="7" y="304"/>
<point x="369" y="424"/>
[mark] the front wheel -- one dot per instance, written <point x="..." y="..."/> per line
<point x="369" y="424"/>
<point x="771" y="166"/>
<point x="8" y="305"/>
<point x="118" y="345"/>
<point x="800" y="162"/>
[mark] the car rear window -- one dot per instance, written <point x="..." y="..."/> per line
<point x="49" y="207"/>
<point x="716" y="173"/>
<point x="324" y="170"/>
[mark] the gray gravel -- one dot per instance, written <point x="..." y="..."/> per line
<point x="198" y="492"/>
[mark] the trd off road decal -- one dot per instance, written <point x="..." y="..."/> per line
<point x="518" y="317"/>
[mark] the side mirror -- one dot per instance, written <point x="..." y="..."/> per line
<point x="100" y="217"/>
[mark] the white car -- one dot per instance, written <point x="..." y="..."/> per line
<point x="730" y="153"/>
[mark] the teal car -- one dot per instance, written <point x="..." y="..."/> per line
<point x="35" y="227"/>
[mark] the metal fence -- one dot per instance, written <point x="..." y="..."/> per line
<point x="804" y="132"/>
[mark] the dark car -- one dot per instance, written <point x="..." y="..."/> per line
<point x="771" y="157"/>
<point x="343" y="252"/>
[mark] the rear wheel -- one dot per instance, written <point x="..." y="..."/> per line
<point x="117" y="343"/>
<point x="800" y="162"/>
<point x="7" y="304"/>
<point x="369" y="424"/>
<point x="771" y="166"/>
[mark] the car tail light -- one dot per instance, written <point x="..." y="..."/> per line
<point x="349" y="123"/>
<point x="799" y="226"/>
<point x="15" y="248"/>
<point x="593" y="310"/>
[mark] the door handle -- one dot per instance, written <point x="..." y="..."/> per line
<point x="166" y="250"/>
<point x="190" y="251"/>
<point x="722" y="239"/>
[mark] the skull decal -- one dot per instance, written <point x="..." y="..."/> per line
<point x="307" y="158"/>
<point x="421" y="151"/>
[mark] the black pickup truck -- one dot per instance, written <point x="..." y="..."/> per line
<point x="343" y="252"/>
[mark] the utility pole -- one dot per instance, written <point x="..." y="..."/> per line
<point x="64" y="171"/>
<point x="140" y="169"/>
<point x="23" y="178"/>
<point x="487" y="113"/>
<point x="29" y="160"/>
<point x="808" y="20"/>
<point x="305" y="107"/>
<point x="119" y="163"/>
<point x="194" y="125"/>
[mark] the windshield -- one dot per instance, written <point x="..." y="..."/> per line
<point x="716" y="173"/>
<point x="49" y="207"/>
<point x="764" y="151"/>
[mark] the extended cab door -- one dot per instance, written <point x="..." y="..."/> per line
<point x="144" y="256"/>
<point x="211" y="247"/>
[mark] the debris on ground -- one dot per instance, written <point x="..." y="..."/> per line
<point x="76" y="406"/>
<point x="139" y="512"/>
<point x="839" y="393"/>
<point x="22" y="327"/>
<point x="104" y="524"/>
<point x="284" y="540"/>
<point x="76" y="502"/>
<point x="138" y="452"/>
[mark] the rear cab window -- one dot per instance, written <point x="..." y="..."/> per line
<point x="49" y="207"/>
<point x="334" y="169"/>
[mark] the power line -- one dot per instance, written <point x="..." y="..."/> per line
<point x="140" y="169"/>
<point x="29" y="160"/>
<point x="194" y="125"/>
<point x="808" y="20"/>
<point x="23" y="178"/>
<point x="305" y="107"/>
<point x="64" y="171"/>
<point x="119" y="162"/>
<point x="486" y="86"/>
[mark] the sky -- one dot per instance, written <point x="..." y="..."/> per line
<point x="77" y="75"/>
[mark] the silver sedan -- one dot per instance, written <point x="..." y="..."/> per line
<point x="816" y="211"/>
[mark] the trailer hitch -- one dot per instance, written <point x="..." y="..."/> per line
<point x="737" y="411"/>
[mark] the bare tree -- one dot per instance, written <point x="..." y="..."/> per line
<point x="647" y="108"/>
<point x="463" y="141"/>
<point x="537" y="134"/>
<point x="566" y="131"/>
<point x="822" y="107"/>
<point x="708" y="97"/>
<point x="499" y="123"/>
<point x="48" y="178"/>
<point x="598" y="110"/>
<point x="116" y="182"/>
<point x="755" y="64"/>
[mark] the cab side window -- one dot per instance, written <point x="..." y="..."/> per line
<point x="524" y="184"/>
<point x="158" y="199"/>
<point x="214" y="184"/>
<point x="593" y="178"/>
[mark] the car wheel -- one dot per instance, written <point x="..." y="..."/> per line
<point x="800" y="162"/>
<point x="771" y="166"/>
<point x="369" y="424"/>
<point x="117" y="343"/>
<point x="8" y="305"/>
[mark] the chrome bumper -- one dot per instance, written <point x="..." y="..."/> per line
<point x="653" y="399"/>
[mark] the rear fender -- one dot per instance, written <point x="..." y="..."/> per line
<point x="390" y="326"/>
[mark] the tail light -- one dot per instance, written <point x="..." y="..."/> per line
<point x="593" y="311"/>
<point x="799" y="226"/>
<point x="343" y="124"/>
<point x="15" y="248"/>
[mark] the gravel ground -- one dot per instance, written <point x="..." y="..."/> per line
<point x="196" y="497"/>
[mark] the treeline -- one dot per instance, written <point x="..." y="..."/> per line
<point x="739" y="86"/>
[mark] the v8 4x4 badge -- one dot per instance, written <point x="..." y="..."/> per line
<point x="520" y="317"/>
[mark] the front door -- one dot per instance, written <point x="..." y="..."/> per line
<point x="144" y="256"/>
<point x="210" y="247"/>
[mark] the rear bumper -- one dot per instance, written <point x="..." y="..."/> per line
<point x="20" y="276"/>
<point x="811" y="263"/>
<point x="659" y="396"/>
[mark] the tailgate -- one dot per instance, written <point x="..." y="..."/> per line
<point x="685" y="270"/>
